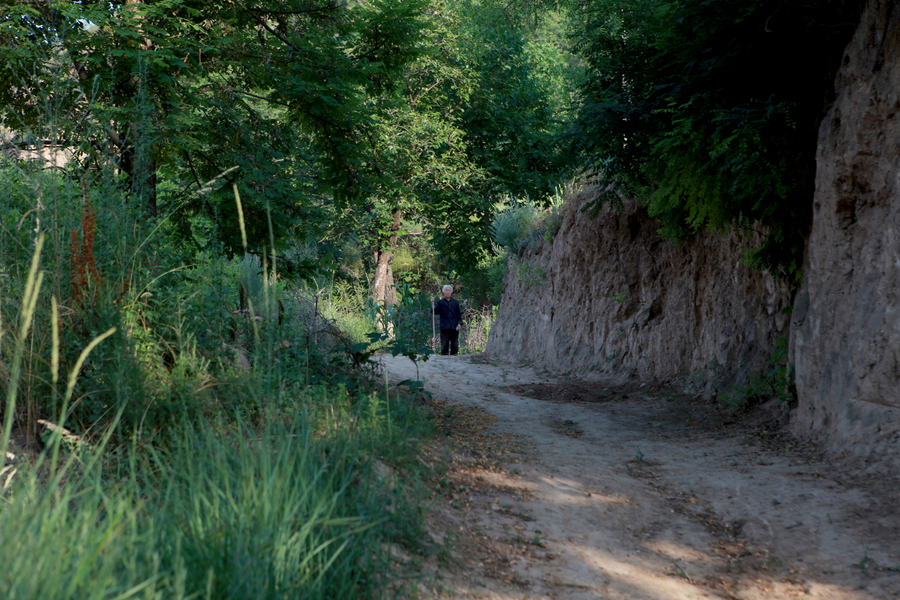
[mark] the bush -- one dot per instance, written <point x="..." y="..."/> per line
<point x="521" y="224"/>
<point x="484" y="284"/>
<point x="512" y="225"/>
<point x="776" y="381"/>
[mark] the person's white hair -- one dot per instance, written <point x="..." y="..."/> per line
<point x="444" y="289"/>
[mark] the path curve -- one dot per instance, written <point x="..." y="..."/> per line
<point x="621" y="500"/>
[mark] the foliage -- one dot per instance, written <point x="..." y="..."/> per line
<point x="412" y="332"/>
<point x="512" y="226"/>
<point x="779" y="374"/>
<point x="776" y="381"/>
<point x="479" y="322"/>
<point x="484" y="283"/>
<point x="519" y="223"/>
<point x="207" y="184"/>
<point x="330" y="117"/>
<point x="513" y="114"/>
<point x="461" y="131"/>
<point x="190" y="90"/>
<point x="693" y="106"/>
<point x="210" y="451"/>
<point x="531" y="274"/>
<point x="413" y="325"/>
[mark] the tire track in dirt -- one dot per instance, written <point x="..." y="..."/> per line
<point x="611" y="491"/>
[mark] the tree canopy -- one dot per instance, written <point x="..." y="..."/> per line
<point x="709" y="109"/>
<point x="335" y="116"/>
<point x="334" y="113"/>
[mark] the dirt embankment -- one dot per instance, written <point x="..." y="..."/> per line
<point x="845" y="334"/>
<point x="563" y="488"/>
<point x="609" y="296"/>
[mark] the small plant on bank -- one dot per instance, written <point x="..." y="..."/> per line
<point x="863" y="563"/>
<point x="531" y="274"/>
<point x="519" y="224"/>
<point x="779" y="375"/>
<point x="638" y="458"/>
<point x="775" y="381"/>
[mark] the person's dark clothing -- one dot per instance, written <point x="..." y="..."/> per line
<point x="449" y="341"/>
<point x="451" y="315"/>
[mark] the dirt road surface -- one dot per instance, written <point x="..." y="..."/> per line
<point x="591" y="489"/>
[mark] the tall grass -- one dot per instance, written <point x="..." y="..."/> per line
<point x="478" y="324"/>
<point x="202" y="460"/>
<point x="286" y="508"/>
<point x="281" y="503"/>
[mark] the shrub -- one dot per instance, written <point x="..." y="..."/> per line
<point x="512" y="225"/>
<point x="775" y="381"/>
<point x="521" y="224"/>
<point x="531" y="274"/>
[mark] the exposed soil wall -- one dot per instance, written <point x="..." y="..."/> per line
<point x="845" y="334"/>
<point x="609" y="296"/>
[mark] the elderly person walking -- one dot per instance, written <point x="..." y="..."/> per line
<point x="451" y="321"/>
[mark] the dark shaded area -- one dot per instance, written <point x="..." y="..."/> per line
<point x="687" y="415"/>
<point x="573" y="391"/>
<point x="709" y="111"/>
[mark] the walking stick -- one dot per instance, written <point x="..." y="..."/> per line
<point x="432" y="319"/>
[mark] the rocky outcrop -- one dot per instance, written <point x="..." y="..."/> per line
<point x="609" y="296"/>
<point x="845" y="334"/>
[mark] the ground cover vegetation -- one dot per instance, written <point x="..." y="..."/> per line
<point x="169" y="444"/>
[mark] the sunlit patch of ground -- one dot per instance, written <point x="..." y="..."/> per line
<point x="623" y="494"/>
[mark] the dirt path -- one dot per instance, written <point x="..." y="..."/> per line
<point x="621" y="493"/>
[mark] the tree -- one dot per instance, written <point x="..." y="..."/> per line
<point x="185" y="85"/>
<point x="709" y="109"/>
<point x="113" y="70"/>
<point x="415" y="147"/>
<point x="475" y="117"/>
<point x="517" y="108"/>
<point x="371" y="112"/>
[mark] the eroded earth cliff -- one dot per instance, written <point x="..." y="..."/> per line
<point x="845" y="334"/>
<point x="608" y="296"/>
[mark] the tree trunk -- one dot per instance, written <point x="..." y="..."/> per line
<point x="140" y="170"/>
<point x="383" y="292"/>
<point x="141" y="178"/>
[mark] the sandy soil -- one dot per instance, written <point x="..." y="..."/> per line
<point x="596" y="489"/>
